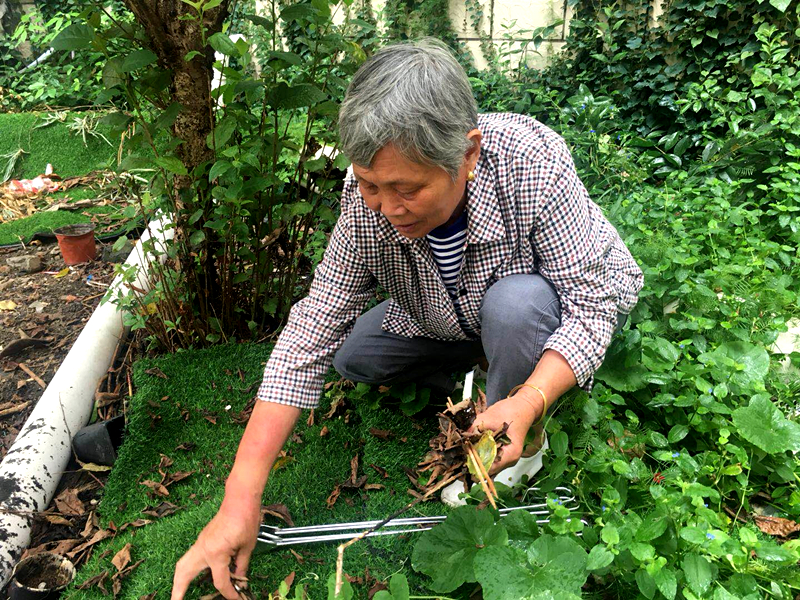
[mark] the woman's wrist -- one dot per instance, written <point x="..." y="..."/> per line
<point x="533" y="401"/>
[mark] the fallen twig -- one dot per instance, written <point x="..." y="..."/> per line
<point x="365" y="533"/>
<point x="15" y="409"/>
<point x="32" y="375"/>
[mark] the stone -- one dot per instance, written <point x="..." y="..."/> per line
<point x="117" y="256"/>
<point x="26" y="264"/>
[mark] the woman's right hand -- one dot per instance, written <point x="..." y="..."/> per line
<point x="231" y="534"/>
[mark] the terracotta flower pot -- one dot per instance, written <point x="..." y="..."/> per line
<point x="42" y="576"/>
<point x="76" y="243"/>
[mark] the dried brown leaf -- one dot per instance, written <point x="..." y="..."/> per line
<point x="776" y="526"/>
<point x="334" y="496"/>
<point x="157" y="487"/>
<point x="280" y="511"/>
<point x="156" y="372"/>
<point x="162" y="510"/>
<point x="96" y="581"/>
<point x="383" y="434"/>
<point x="122" y="558"/>
<point x="69" y="504"/>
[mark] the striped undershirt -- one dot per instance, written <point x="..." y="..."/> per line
<point x="447" y="245"/>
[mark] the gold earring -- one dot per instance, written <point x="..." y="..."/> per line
<point x="471" y="176"/>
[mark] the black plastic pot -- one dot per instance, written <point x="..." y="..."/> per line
<point x="97" y="443"/>
<point x="42" y="576"/>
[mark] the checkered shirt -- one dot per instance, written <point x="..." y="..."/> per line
<point x="527" y="213"/>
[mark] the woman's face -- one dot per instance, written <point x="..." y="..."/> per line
<point x="414" y="197"/>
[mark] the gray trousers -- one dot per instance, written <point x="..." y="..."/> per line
<point x="517" y="315"/>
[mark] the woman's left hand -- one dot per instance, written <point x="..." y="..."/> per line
<point x="520" y="413"/>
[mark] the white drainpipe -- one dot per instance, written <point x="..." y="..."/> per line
<point x="30" y="472"/>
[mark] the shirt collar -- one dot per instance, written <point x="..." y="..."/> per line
<point x="484" y="217"/>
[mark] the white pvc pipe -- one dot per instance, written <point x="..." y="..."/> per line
<point x="30" y="472"/>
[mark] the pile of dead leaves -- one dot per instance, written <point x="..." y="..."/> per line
<point x="448" y="458"/>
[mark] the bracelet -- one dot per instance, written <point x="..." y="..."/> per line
<point x="544" y="398"/>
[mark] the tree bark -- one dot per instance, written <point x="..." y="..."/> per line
<point x="174" y="30"/>
<point x="172" y="36"/>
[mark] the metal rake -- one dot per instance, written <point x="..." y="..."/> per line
<point x="292" y="536"/>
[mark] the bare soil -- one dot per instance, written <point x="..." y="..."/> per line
<point x="51" y="309"/>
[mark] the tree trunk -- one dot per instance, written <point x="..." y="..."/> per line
<point x="172" y="36"/>
<point x="174" y="31"/>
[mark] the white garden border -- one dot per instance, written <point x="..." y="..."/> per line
<point x="30" y="472"/>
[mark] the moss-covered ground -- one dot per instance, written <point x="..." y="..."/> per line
<point x="204" y="383"/>
<point x="70" y="157"/>
<point x="54" y="144"/>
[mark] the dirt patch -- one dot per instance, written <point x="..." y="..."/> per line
<point x="41" y="316"/>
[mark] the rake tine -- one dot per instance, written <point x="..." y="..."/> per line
<point x="534" y="509"/>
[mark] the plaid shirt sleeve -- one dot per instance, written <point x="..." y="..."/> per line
<point x="571" y="236"/>
<point x="319" y="323"/>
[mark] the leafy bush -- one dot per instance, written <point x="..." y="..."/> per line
<point x="248" y="199"/>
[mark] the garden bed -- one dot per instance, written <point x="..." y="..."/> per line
<point x="45" y="312"/>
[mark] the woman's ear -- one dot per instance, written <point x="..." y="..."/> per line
<point x="474" y="151"/>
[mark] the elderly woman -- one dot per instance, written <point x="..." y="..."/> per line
<point x="488" y="244"/>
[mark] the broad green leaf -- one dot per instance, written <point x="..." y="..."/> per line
<point x="772" y="552"/>
<point x="112" y="73"/>
<point x="522" y="528"/>
<point x="288" y="57"/>
<point x="262" y="21"/>
<point x="297" y="96"/>
<point x="610" y="535"/>
<point x="559" y="442"/>
<point x="171" y="164"/>
<point x="699" y="572"/>
<point x="296" y="12"/>
<point x="219" y="168"/>
<point x="222" y="132"/>
<point x="346" y="593"/>
<point x="752" y="361"/>
<point x="666" y="582"/>
<point x="446" y="552"/>
<point x="138" y="59"/>
<point x="763" y="425"/>
<point x="398" y="585"/>
<point x="677" y="433"/>
<point x="117" y="121"/>
<point x="599" y="558"/>
<point x="642" y="552"/>
<point x="695" y="535"/>
<point x="646" y="583"/>
<point x="74" y="37"/>
<point x="652" y="527"/>
<point x="781" y="5"/>
<point x="197" y="237"/>
<point x="223" y="44"/>
<point x="554" y="565"/>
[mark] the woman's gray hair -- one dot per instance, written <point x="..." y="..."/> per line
<point x="415" y="96"/>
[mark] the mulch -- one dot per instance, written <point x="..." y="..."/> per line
<point x="50" y="310"/>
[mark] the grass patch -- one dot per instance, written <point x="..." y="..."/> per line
<point x="12" y="232"/>
<point x="54" y="144"/>
<point x="207" y="380"/>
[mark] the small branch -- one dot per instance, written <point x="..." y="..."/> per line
<point x="361" y="536"/>
<point x="32" y="375"/>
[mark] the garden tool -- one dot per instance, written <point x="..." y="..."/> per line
<point x="291" y="536"/>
